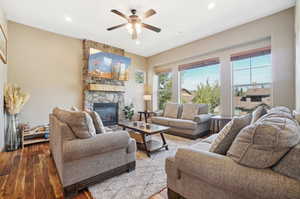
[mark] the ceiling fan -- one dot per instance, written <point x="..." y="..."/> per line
<point x="134" y="22"/>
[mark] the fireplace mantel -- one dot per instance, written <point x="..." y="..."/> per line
<point x="106" y="87"/>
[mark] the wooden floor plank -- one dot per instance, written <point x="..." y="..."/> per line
<point x="30" y="173"/>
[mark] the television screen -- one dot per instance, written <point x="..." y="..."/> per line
<point x="109" y="66"/>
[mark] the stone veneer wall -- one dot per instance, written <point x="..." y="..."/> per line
<point x="91" y="97"/>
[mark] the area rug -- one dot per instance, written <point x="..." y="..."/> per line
<point x="148" y="178"/>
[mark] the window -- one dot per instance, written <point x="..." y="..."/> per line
<point x="164" y="89"/>
<point x="200" y="83"/>
<point x="252" y="80"/>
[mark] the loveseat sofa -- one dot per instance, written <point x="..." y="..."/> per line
<point x="263" y="164"/>
<point x="83" y="160"/>
<point x="185" y="120"/>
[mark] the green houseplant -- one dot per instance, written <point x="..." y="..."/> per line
<point x="128" y="111"/>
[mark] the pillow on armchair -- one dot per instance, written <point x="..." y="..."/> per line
<point x="80" y="122"/>
<point x="227" y="135"/>
<point x="264" y="143"/>
<point x="98" y="124"/>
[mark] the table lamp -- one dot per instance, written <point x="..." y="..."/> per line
<point x="146" y="99"/>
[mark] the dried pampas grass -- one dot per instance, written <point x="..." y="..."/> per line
<point x="14" y="99"/>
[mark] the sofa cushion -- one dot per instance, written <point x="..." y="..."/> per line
<point x="204" y="146"/>
<point x="80" y="122"/>
<point x="99" y="144"/>
<point x="183" y="124"/>
<point x="189" y="111"/>
<point x="160" y="120"/>
<point x="99" y="127"/>
<point x="257" y="113"/>
<point x="264" y="143"/>
<point x="171" y="110"/>
<point x="227" y="135"/>
<point x="289" y="165"/>
<point x="210" y="139"/>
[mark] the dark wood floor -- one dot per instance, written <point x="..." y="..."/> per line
<point x="31" y="173"/>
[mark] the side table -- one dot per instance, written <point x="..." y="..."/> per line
<point x="218" y="120"/>
<point x="146" y="114"/>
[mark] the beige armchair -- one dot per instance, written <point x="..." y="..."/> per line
<point x="83" y="162"/>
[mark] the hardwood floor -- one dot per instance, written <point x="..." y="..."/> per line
<point x="30" y="173"/>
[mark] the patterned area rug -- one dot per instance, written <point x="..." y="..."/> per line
<point x="148" y="178"/>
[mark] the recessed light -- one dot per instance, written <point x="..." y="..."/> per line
<point x="68" y="19"/>
<point x="137" y="42"/>
<point x="211" y="6"/>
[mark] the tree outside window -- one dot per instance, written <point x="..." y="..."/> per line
<point x="201" y="85"/>
<point x="164" y="89"/>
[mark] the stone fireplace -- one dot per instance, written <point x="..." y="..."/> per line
<point x="92" y="98"/>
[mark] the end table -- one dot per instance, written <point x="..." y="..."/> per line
<point x="217" y="120"/>
<point x="146" y="114"/>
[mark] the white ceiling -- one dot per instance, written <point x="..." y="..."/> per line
<point x="182" y="21"/>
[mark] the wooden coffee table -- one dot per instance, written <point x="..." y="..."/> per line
<point x="150" y="146"/>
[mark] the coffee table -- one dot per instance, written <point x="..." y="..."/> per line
<point x="150" y="146"/>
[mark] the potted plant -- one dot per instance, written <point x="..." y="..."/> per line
<point x="128" y="111"/>
<point x="14" y="100"/>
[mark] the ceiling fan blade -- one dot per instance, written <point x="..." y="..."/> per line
<point x="153" y="28"/>
<point x="119" y="13"/>
<point x="134" y="34"/>
<point x="115" y="27"/>
<point x="149" y="13"/>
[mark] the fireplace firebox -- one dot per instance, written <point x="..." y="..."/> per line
<point x="108" y="112"/>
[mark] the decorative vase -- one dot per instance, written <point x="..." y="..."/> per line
<point x="12" y="139"/>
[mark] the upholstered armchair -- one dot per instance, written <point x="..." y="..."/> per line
<point x="83" y="162"/>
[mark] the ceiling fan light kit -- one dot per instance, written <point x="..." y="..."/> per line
<point x="134" y="23"/>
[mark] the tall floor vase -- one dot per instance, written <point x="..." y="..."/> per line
<point x="12" y="137"/>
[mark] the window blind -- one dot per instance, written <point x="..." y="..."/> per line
<point x="206" y="62"/>
<point x="158" y="70"/>
<point x="251" y="53"/>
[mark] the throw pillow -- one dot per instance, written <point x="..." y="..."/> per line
<point x="171" y="110"/>
<point x="280" y="109"/>
<point x="80" y="122"/>
<point x="189" y="111"/>
<point x="257" y="113"/>
<point x="227" y="135"/>
<point x="264" y="143"/>
<point x="98" y="124"/>
<point x="289" y="165"/>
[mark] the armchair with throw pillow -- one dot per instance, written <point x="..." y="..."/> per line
<point x="84" y="153"/>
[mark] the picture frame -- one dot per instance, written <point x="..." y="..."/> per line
<point x="3" y="45"/>
<point x="140" y="77"/>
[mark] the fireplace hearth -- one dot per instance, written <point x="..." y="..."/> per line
<point x="108" y="112"/>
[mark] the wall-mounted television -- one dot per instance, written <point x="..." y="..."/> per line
<point x="109" y="66"/>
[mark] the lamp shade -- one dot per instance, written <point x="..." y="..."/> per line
<point x="147" y="97"/>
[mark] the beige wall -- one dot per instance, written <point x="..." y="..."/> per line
<point x="3" y="69"/>
<point x="297" y="29"/>
<point x="49" y="66"/>
<point x="279" y="28"/>
<point x="134" y="91"/>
